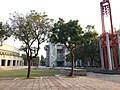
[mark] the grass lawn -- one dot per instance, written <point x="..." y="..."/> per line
<point x="23" y="72"/>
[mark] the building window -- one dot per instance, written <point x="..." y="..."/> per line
<point x="59" y="54"/>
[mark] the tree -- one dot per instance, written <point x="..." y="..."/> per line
<point x="36" y="61"/>
<point x="24" y="56"/>
<point x="32" y="30"/>
<point x="90" y="48"/>
<point x="42" y="61"/>
<point x="69" y="34"/>
<point x="5" y="32"/>
<point x="92" y="43"/>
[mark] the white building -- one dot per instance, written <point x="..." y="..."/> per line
<point x="55" y="55"/>
<point x="10" y="56"/>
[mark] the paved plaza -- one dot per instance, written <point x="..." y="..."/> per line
<point x="92" y="81"/>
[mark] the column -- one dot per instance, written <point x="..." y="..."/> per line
<point x="76" y="63"/>
<point x="80" y="63"/>
<point x="64" y="62"/>
<point x="108" y="52"/>
<point x="112" y="59"/>
<point x="6" y="61"/>
<point x="88" y="63"/>
<point x="18" y="63"/>
<point x="118" y="50"/>
<point x="101" y="55"/>
<point x="22" y="63"/>
<point x="0" y="62"/>
<point x="11" y="62"/>
<point x="15" y="62"/>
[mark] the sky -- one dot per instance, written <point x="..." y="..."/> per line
<point x="86" y="11"/>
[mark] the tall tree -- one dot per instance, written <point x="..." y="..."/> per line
<point x="90" y="48"/>
<point x="32" y="30"/>
<point x="92" y="42"/>
<point x="5" y="32"/>
<point x="69" y="34"/>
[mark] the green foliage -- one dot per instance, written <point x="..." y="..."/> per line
<point x="69" y="34"/>
<point x="42" y="61"/>
<point x="36" y="61"/>
<point x="91" y="41"/>
<point x="5" y="32"/>
<point x="24" y="56"/>
<point x="30" y="29"/>
<point x="68" y="57"/>
<point x="90" y="48"/>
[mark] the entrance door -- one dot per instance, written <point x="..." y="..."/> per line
<point x="2" y="62"/>
<point x="8" y="64"/>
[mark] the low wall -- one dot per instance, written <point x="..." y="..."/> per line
<point x="92" y="69"/>
<point x="77" y="72"/>
<point x="12" y="67"/>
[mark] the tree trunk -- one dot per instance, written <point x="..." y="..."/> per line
<point x="29" y="66"/>
<point x="72" y="62"/>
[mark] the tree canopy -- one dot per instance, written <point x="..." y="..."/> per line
<point x="70" y="34"/>
<point x="5" y="32"/>
<point x="32" y="30"/>
<point x="90" y="48"/>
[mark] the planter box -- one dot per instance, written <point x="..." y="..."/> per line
<point x="77" y="72"/>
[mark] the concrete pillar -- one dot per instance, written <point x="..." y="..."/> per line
<point x="101" y="55"/>
<point x="88" y="63"/>
<point x="6" y="61"/>
<point x="15" y="62"/>
<point x="112" y="59"/>
<point x="11" y="62"/>
<point x="64" y="62"/>
<point x="108" y="52"/>
<point x="18" y="63"/>
<point x="0" y="62"/>
<point x="80" y="63"/>
<point x="118" y="49"/>
<point x="76" y="63"/>
<point x="49" y="61"/>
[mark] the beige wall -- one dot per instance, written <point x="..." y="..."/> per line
<point x="11" y="55"/>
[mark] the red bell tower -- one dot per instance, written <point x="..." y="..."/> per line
<point x="108" y="41"/>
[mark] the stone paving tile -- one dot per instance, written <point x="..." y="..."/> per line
<point x="55" y="83"/>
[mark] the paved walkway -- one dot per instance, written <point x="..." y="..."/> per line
<point x="55" y="83"/>
<point x="107" y="77"/>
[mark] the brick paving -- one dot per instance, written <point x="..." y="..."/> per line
<point x="60" y="83"/>
<point x="107" y="77"/>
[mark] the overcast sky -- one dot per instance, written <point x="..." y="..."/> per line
<point x="86" y="11"/>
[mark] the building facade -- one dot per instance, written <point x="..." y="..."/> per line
<point x="55" y="55"/>
<point x="10" y="56"/>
